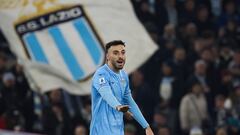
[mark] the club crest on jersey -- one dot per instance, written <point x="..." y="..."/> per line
<point x="63" y="37"/>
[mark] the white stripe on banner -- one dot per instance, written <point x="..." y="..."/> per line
<point x="89" y="39"/>
<point x="52" y="52"/>
<point x="68" y="57"/>
<point x="77" y="46"/>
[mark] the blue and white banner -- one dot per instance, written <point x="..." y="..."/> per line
<point x="61" y="43"/>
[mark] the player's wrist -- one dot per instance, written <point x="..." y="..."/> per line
<point x="147" y="127"/>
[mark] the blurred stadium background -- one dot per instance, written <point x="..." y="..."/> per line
<point x="189" y="86"/>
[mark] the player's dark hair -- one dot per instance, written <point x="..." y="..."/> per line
<point x="113" y="43"/>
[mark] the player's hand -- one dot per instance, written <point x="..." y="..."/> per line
<point x="149" y="131"/>
<point x="123" y="108"/>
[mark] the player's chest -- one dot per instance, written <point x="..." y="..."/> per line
<point x="118" y="85"/>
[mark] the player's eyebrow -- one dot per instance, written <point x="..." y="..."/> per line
<point x="115" y="51"/>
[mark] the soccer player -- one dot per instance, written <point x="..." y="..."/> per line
<point x="111" y="95"/>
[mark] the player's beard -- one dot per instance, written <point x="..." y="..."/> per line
<point x="118" y="65"/>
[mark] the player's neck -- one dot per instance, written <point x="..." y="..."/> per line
<point x="112" y="68"/>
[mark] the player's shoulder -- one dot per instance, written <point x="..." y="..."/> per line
<point x="101" y="71"/>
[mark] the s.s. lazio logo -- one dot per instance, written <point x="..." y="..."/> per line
<point x="62" y="37"/>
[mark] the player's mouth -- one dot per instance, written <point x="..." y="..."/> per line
<point x="120" y="62"/>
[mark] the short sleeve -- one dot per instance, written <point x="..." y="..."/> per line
<point x="100" y="80"/>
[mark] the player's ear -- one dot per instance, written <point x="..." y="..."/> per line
<point x="107" y="56"/>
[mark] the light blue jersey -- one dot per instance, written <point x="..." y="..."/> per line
<point x="109" y="90"/>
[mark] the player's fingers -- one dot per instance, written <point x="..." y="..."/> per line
<point x="124" y="108"/>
